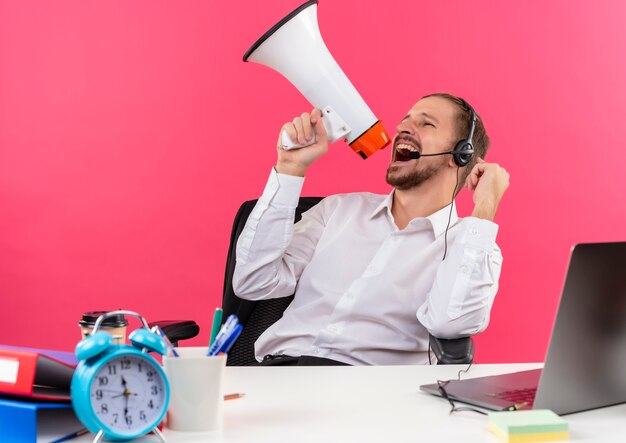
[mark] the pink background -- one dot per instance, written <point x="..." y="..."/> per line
<point x="130" y="132"/>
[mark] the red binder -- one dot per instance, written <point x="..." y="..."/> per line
<point x="36" y="373"/>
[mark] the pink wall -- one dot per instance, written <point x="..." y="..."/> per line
<point x="131" y="131"/>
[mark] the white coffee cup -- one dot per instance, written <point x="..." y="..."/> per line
<point x="196" y="390"/>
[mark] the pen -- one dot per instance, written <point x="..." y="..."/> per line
<point x="229" y="341"/>
<point x="79" y="433"/>
<point x="234" y="396"/>
<point x="217" y="322"/>
<point x="516" y="406"/>
<point x="158" y="331"/>
<point x="227" y="327"/>
<point x="230" y="323"/>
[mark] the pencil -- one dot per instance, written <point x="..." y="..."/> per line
<point x="516" y="406"/>
<point x="234" y="396"/>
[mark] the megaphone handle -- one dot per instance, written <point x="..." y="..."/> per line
<point x="335" y="127"/>
<point x="287" y="144"/>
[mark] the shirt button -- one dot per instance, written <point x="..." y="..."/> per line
<point x="373" y="269"/>
<point x="350" y="295"/>
<point x="331" y="328"/>
<point x="464" y="269"/>
<point x="316" y="350"/>
<point x="473" y="231"/>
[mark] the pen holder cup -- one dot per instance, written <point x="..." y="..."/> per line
<point x="196" y="390"/>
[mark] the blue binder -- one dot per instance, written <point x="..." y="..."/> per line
<point x="24" y="421"/>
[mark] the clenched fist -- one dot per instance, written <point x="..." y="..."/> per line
<point x="488" y="182"/>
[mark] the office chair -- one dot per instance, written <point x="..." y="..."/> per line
<point x="176" y="330"/>
<point x="257" y="316"/>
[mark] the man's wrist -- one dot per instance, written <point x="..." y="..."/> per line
<point x="485" y="209"/>
<point x="290" y="169"/>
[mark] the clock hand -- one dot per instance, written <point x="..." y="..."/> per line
<point x="118" y="394"/>
<point x="124" y="393"/>
<point x="108" y="390"/>
<point x="126" y="390"/>
<point x="126" y="406"/>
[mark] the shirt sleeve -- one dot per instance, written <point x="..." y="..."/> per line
<point x="466" y="282"/>
<point x="271" y="251"/>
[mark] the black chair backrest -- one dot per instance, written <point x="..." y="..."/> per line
<point x="255" y="316"/>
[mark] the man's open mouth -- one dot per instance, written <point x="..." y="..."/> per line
<point x="403" y="150"/>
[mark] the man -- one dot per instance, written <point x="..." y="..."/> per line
<point x="367" y="270"/>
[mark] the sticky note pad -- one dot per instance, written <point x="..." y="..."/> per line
<point x="532" y="426"/>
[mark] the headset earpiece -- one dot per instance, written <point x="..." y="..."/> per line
<point x="463" y="153"/>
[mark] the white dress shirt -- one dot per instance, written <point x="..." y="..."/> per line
<point x="365" y="291"/>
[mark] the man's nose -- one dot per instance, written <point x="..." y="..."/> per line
<point x="405" y="128"/>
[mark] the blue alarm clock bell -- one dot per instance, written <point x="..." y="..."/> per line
<point x="120" y="392"/>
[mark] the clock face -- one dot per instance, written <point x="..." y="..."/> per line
<point x="128" y="394"/>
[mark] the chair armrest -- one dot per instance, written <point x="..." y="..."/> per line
<point x="457" y="351"/>
<point x="176" y="330"/>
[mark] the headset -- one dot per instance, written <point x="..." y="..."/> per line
<point x="463" y="151"/>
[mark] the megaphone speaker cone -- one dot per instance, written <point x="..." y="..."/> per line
<point x="372" y="140"/>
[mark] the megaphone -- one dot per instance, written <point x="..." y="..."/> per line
<point x="294" y="47"/>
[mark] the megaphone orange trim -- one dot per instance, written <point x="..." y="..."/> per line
<point x="372" y="140"/>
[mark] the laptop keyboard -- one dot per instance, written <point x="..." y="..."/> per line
<point x="518" y="396"/>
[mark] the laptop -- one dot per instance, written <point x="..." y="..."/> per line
<point x="585" y="367"/>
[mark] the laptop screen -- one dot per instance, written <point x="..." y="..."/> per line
<point x="586" y="362"/>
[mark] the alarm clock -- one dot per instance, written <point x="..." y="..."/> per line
<point x="120" y="392"/>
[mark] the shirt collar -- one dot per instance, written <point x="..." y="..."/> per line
<point x="385" y="204"/>
<point x="438" y="220"/>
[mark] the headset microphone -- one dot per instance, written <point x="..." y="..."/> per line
<point x="415" y="155"/>
<point x="462" y="154"/>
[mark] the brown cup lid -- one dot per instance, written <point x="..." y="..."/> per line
<point x="114" y="321"/>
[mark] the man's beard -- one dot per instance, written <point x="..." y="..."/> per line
<point x="412" y="178"/>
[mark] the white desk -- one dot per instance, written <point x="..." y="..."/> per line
<point x="365" y="404"/>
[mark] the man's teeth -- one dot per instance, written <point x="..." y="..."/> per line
<point x="407" y="147"/>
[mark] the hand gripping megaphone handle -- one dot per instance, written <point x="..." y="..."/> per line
<point x="335" y="126"/>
